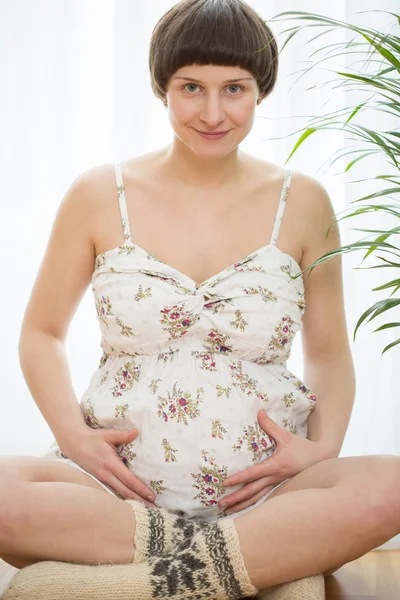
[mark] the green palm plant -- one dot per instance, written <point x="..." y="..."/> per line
<point x="381" y="54"/>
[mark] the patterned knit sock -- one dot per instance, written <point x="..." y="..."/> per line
<point x="158" y="531"/>
<point x="207" y="565"/>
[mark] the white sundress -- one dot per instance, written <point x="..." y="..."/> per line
<point x="190" y="365"/>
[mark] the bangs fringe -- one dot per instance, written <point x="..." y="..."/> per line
<point x="212" y="32"/>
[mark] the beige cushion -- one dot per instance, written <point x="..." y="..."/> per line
<point x="308" y="588"/>
<point x="39" y="582"/>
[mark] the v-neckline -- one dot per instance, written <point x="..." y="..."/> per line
<point x="197" y="285"/>
<point x="130" y="244"/>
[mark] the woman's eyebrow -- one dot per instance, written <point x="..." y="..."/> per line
<point x="226" y="81"/>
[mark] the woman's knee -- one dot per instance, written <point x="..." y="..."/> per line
<point x="7" y="469"/>
<point x="29" y="468"/>
<point x="39" y="468"/>
<point x="11" y="499"/>
<point x="8" y="498"/>
<point x="386" y="484"/>
<point x="376" y="488"/>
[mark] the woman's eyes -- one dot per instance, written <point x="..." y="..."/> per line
<point x="229" y="86"/>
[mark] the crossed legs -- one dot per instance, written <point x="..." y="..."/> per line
<point x="330" y="514"/>
<point x="51" y="511"/>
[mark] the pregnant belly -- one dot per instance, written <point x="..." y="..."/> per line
<point x="192" y="437"/>
<point x="186" y="464"/>
<point x="184" y="451"/>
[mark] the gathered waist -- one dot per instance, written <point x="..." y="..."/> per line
<point x="167" y="354"/>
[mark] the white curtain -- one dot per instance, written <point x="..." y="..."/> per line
<point x="76" y="93"/>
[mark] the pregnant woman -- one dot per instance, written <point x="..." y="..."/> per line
<point x="196" y="460"/>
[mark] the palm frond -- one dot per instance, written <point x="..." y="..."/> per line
<point x="378" y="54"/>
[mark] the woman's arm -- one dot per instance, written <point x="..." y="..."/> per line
<point x="64" y="275"/>
<point x="328" y="364"/>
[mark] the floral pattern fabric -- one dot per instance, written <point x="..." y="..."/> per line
<point x="190" y="365"/>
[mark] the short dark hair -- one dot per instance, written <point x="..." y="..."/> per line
<point x="212" y="32"/>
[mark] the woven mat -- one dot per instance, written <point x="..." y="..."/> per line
<point x="308" y="588"/>
<point x="35" y="582"/>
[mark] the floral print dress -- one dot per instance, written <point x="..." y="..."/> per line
<point x="191" y="364"/>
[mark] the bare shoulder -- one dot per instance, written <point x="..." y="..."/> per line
<point x="311" y="193"/>
<point x="307" y="192"/>
<point x="94" y="195"/>
<point x="86" y="193"/>
<point x="316" y="219"/>
<point x="93" y="178"/>
<point x="313" y="197"/>
<point x="94" y="183"/>
<point x="100" y="185"/>
<point x="309" y="212"/>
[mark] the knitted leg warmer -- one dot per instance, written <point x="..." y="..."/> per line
<point x="208" y="564"/>
<point x="158" y="531"/>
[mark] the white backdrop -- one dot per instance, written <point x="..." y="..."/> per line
<point x="76" y="93"/>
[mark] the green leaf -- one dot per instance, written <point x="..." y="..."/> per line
<point x="373" y="82"/>
<point x="379" y="78"/>
<point x="373" y="247"/>
<point x="353" y="162"/>
<point x="389" y="263"/>
<point x="345" y="249"/>
<point x="386" y="326"/>
<point x="375" y="310"/>
<point x="384" y="52"/>
<point x="372" y="208"/>
<point x="388" y="232"/>
<point x="385" y="286"/>
<point x="391" y="345"/>
<point x="303" y="137"/>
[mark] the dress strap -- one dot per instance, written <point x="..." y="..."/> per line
<point x="122" y="203"/>
<point x="281" y="207"/>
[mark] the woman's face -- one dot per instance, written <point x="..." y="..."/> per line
<point x="201" y="98"/>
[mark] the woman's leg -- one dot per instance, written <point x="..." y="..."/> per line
<point x="327" y="515"/>
<point x="331" y="513"/>
<point x="51" y="511"/>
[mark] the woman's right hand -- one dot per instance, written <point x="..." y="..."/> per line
<point x="96" y="453"/>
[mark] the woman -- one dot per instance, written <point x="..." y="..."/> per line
<point x="198" y="287"/>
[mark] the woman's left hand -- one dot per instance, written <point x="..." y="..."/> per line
<point x="292" y="455"/>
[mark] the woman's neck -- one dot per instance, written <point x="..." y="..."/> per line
<point x="183" y="166"/>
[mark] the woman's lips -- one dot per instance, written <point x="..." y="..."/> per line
<point x="212" y="136"/>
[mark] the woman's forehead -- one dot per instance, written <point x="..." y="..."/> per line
<point x="212" y="72"/>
